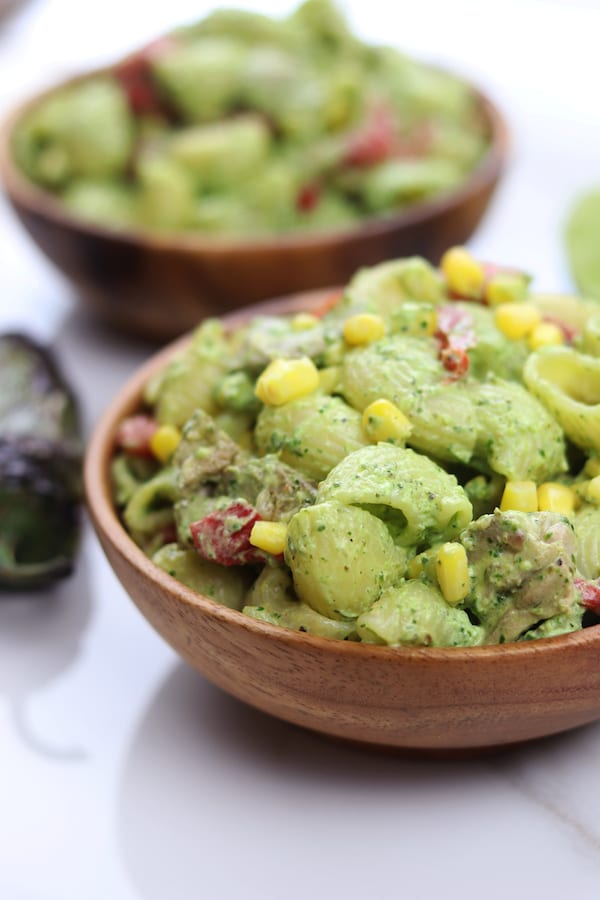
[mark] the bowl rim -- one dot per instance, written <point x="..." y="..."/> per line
<point x="39" y="201"/>
<point x="107" y="524"/>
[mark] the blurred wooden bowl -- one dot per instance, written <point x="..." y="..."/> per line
<point x="159" y="286"/>
<point x="437" y="701"/>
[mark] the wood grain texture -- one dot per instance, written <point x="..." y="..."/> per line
<point x="433" y="700"/>
<point x="158" y="286"/>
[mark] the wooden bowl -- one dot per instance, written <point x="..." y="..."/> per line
<point x="431" y="700"/>
<point x="159" y="286"/>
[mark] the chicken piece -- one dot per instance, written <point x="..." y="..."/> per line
<point x="522" y="569"/>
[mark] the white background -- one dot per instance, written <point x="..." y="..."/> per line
<point x="123" y="774"/>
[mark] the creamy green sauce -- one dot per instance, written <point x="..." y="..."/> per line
<point x="361" y="521"/>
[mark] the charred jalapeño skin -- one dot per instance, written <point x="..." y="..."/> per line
<point x="40" y="466"/>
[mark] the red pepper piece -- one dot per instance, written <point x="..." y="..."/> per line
<point x="134" y="433"/>
<point x="590" y="594"/>
<point x="374" y="141"/>
<point x="135" y="75"/>
<point x="455" y="335"/>
<point x="327" y="304"/>
<point x="309" y="197"/>
<point x="455" y="361"/>
<point x="223" y="536"/>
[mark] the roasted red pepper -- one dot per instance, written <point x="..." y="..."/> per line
<point x="590" y="594"/>
<point x="308" y="197"/>
<point x="223" y="536"/>
<point x="374" y="141"/>
<point x="134" y="433"/>
<point x="455" y="335"/>
<point x="136" y="79"/>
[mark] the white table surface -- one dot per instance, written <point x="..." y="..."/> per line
<point x="125" y="775"/>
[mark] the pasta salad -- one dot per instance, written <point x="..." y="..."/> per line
<point x="414" y="463"/>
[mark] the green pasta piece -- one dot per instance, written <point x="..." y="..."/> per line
<point x="272" y="599"/>
<point x="398" y="368"/>
<point x="406" y="371"/>
<point x="220" y="154"/>
<point x="415" y="614"/>
<point x="149" y="512"/>
<point x="224" y="584"/>
<point x="186" y="384"/>
<point x="109" y="203"/>
<point x="128" y="473"/>
<point x="395" y="183"/>
<point x="383" y="288"/>
<point x="217" y="62"/>
<point x="312" y="434"/>
<point x="165" y="197"/>
<point x="568" y="384"/>
<point x="83" y="131"/>
<point x="589" y="342"/>
<point x="573" y="311"/>
<point x="418" y="500"/>
<point x="341" y="558"/>
<point x="444" y="422"/>
<point x="518" y="438"/>
<point x="587" y="540"/>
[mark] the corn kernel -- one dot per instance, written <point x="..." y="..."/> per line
<point x="164" y="442"/>
<point x="592" y="467"/>
<point x="304" y="322"/>
<point x="452" y="570"/>
<point x="329" y="378"/>
<point x="269" y="536"/>
<point x="520" y="496"/>
<point x="546" y="334"/>
<point x="383" y="421"/>
<point x="517" y="320"/>
<point x="363" y="328"/>
<point x="465" y="276"/>
<point x="593" y="490"/>
<point x="287" y="379"/>
<point x="558" y="498"/>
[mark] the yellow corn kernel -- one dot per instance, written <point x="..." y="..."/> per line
<point x="363" y="328"/>
<point x="554" y="497"/>
<point x="383" y="421"/>
<point x="452" y="570"/>
<point x="304" y="322"/>
<point x="164" y="442"/>
<point x="520" y="496"/>
<point x="593" y="490"/>
<point x="287" y="379"/>
<point x="517" y="320"/>
<point x="329" y="378"/>
<point x="546" y="334"/>
<point x="269" y="536"/>
<point x="592" y="467"/>
<point x="465" y="276"/>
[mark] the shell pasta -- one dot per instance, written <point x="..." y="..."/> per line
<point x="417" y="466"/>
